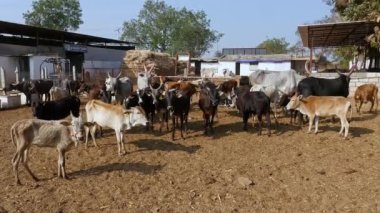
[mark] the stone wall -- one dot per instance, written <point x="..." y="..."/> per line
<point x="357" y="79"/>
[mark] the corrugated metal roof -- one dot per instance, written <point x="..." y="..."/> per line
<point x="336" y="34"/>
<point x="39" y="33"/>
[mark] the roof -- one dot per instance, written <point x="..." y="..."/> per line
<point x="14" y="32"/>
<point x="336" y="34"/>
<point x="252" y="58"/>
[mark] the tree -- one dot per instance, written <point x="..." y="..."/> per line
<point x="355" y="10"/>
<point x="160" y="27"/>
<point x="55" y="14"/>
<point x="275" y="45"/>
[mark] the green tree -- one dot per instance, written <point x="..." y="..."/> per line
<point x="55" y="14"/>
<point x="160" y="27"/>
<point x="356" y="10"/>
<point x="275" y="45"/>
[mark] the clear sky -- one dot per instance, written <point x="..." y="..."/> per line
<point x="244" y="23"/>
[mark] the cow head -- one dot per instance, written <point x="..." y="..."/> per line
<point x="210" y="91"/>
<point x="110" y="82"/>
<point x="143" y="77"/>
<point x="135" y="116"/>
<point x="295" y="102"/>
<point x="159" y="92"/>
<point x="77" y="128"/>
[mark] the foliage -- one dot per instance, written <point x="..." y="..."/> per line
<point x="355" y="10"/>
<point x="160" y="27"/>
<point x="55" y="14"/>
<point x="275" y="45"/>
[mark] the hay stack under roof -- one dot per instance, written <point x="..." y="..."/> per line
<point x="136" y="59"/>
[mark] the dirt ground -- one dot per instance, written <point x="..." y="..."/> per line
<point x="291" y="171"/>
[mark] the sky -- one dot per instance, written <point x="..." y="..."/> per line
<point x="244" y="23"/>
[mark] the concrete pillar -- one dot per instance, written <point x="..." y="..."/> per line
<point x="2" y="78"/>
<point x="17" y="75"/>
<point x="42" y="73"/>
<point x="74" y="73"/>
<point x="45" y="72"/>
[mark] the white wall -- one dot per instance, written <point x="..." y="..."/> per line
<point x="229" y="65"/>
<point x="280" y="66"/>
<point x="245" y="69"/>
<point x="9" y="64"/>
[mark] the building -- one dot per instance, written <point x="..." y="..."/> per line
<point x="33" y="49"/>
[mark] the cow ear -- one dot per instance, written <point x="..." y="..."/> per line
<point x="300" y="97"/>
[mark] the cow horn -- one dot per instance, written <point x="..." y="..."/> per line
<point x="118" y="75"/>
<point x="109" y="76"/>
<point x="152" y="68"/>
<point x="145" y="69"/>
<point x="353" y="68"/>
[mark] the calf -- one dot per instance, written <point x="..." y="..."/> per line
<point x="208" y="103"/>
<point x="54" y="134"/>
<point x="145" y="100"/>
<point x="365" y="93"/>
<point x="256" y="103"/>
<point x="227" y="89"/>
<point x="316" y="106"/>
<point x="116" y="118"/>
<point x="55" y="110"/>
<point x="41" y="87"/>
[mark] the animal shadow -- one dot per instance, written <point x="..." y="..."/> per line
<point x="163" y="145"/>
<point x="126" y="167"/>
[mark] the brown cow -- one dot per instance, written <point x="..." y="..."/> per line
<point x="365" y="93"/>
<point x="316" y="106"/>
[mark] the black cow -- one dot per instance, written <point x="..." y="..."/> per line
<point x="227" y="89"/>
<point x="179" y="106"/>
<point x="146" y="103"/>
<point x="41" y="87"/>
<point x="325" y="87"/>
<point x="208" y="102"/>
<point x="55" y="110"/>
<point x="122" y="87"/>
<point x="72" y="86"/>
<point x="256" y="103"/>
<point x="23" y="87"/>
<point x="160" y="103"/>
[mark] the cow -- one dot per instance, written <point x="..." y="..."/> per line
<point x="320" y="106"/>
<point x="41" y="87"/>
<point x="122" y="87"/>
<point x="325" y="87"/>
<point x="365" y="93"/>
<point x="227" y="89"/>
<point x="284" y="82"/>
<point x="179" y="106"/>
<point x="116" y="118"/>
<point x="57" y="93"/>
<point x="146" y="103"/>
<point x="253" y="103"/>
<point x="284" y="100"/>
<point x="208" y="102"/>
<point x="54" y="134"/>
<point x="160" y="103"/>
<point x="23" y="87"/>
<point x="55" y="110"/>
<point x="72" y="86"/>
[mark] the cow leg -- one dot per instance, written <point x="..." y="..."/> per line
<point x="360" y="106"/>
<point x="173" y="128"/>
<point x="245" y="120"/>
<point x="118" y="139"/>
<point x="347" y="126"/>
<point x="268" y="122"/>
<point x="86" y="132"/>
<point x="182" y="120"/>
<point x="167" y="120"/>
<point x="311" y="120"/>
<point x="25" y="163"/>
<point x="260" y="118"/>
<point x="342" y="126"/>
<point x="122" y="142"/>
<point x="212" y="121"/>
<point x="372" y="103"/>
<point x="15" y="162"/>
<point x="206" y="119"/>
<point x="93" y="132"/>
<point x="61" y="164"/>
<point x="316" y="124"/>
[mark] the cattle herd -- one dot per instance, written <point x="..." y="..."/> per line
<point x="259" y="95"/>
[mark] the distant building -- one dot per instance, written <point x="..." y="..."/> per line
<point x="31" y="49"/>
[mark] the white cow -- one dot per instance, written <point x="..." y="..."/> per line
<point x="115" y="117"/>
<point x="42" y="133"/>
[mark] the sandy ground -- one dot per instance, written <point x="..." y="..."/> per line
<point x="291" y="171"/>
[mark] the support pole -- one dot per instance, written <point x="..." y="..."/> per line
<point x="74" y="73"/>
<point x="17" y="75"/>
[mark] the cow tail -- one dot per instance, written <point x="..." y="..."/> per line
<point x="376" y="98"/>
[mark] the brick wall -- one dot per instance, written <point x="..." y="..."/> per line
<point x="357" y="79"/>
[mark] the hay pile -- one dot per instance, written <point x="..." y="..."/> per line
<point x="163" y="62"/>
